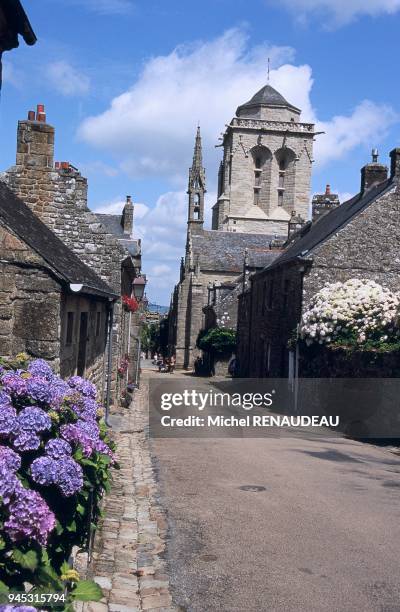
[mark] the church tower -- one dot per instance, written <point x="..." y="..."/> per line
<point x="196" y="188"/>
<point x="266" y="169"/>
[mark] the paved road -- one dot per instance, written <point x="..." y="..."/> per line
<point x="324" y="535"/>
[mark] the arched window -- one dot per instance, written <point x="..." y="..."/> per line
<point x="196" y="209"/>
<point x="260" y="156"/>
<point x="284" y="157"/>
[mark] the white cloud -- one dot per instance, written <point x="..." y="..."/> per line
<point x="150" y="128"/>
<point x="344" y="196"/>
<point x="12" y="75"/>
<point x="115" y="208"/>
<point x="367" y="125"/>
<point x="66" y="79"/>
<point x="97" y="167"/>
<point x="338" y="12"/>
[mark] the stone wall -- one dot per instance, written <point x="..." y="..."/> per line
<point x="30" y="303"/>
<point x="268" y="313"/>
<point x="367" y="247"/>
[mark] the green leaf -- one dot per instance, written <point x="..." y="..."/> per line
<point x="4" y="590"/>
<point x="71" y="526"/>
<point x="28" y="560"/>
<point x="46" y="576"/>
<point x="80" y="509"/>
<point x="2" y="544"/>
<point x="87" y="590"/>
<point x="64" y="567"/>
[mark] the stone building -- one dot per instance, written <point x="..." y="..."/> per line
<point x="263" y="186"/>
<point x="57" y="193"/>
<point x="358" y="239"/>
<point x="52" y="305"/>
<point x="266" y="169"/>
<point x="323" y="203"/>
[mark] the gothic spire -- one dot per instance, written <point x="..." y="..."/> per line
<point x="198" y="153"/>
<point x="196" y="186"/>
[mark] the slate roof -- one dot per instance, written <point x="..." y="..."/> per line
<point x="113" y="224"/>
<point x="266" y="96"/>
<point x="316" y="233"/>
<point x="224" y="251"/>
<point x="18" y="217"/>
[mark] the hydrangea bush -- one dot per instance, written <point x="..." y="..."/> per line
<point x="354" y="312"/>
<point x="54" y="467"/>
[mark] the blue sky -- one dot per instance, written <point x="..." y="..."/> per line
<point x="125" y="83"/>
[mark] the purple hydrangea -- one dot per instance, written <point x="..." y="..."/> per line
<point x="65" y="473"/>
<point x="30" y="421"/>
<point x="33" y="418"/>
<point x="29" y="517"/>
<point x="75" y="433"/>
<point x="38" y="389"/>
<point x="70" y="477"/>
<point x="9" y="459"/>
<point x="14" y="384"/>
<point x="5" y="399"/>
<point x="9" y="608"/>
<point x="40" y="367"/>
<point x="43" y="471"/>
<point x="59" y="391"/>
<point x="26" y="441"/>
<point x="83" y="386"/>
<point x="8" y="484"/>
<point x="8" y="419"/>
<point x="86" y="434"/>
<point x="57" y="448"/>
<point x="84" y="407"/>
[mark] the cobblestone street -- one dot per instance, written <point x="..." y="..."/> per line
<point x="126" y="560"/>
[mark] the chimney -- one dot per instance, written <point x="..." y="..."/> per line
<point x="373" y="173"/>
<point x="127" y="216"/>
<point x="328" y="190"/>
<point x="395" y="163"/>
<point x="35" y="141"/>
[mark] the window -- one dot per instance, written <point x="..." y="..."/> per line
<point x="98" y="323"/>
<point x="256" y="196"/>
<point x="70" y="328"/>
<point x="257" y="163"/>
<point x="281" y="181"/>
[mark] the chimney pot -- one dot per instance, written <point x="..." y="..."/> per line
<point x="31" y="115"/>
<point x="128" y="199"/>
<point x="64" y="165"/>
<point x="57" y="165"/>
<point x="328" y="190"/>
<point x="40" y="113"/>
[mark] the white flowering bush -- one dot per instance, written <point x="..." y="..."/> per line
<point x="356" y="311"/>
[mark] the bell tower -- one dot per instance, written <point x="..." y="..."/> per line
<point x="266" y="169"/>
<point x="196" y="188"/>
